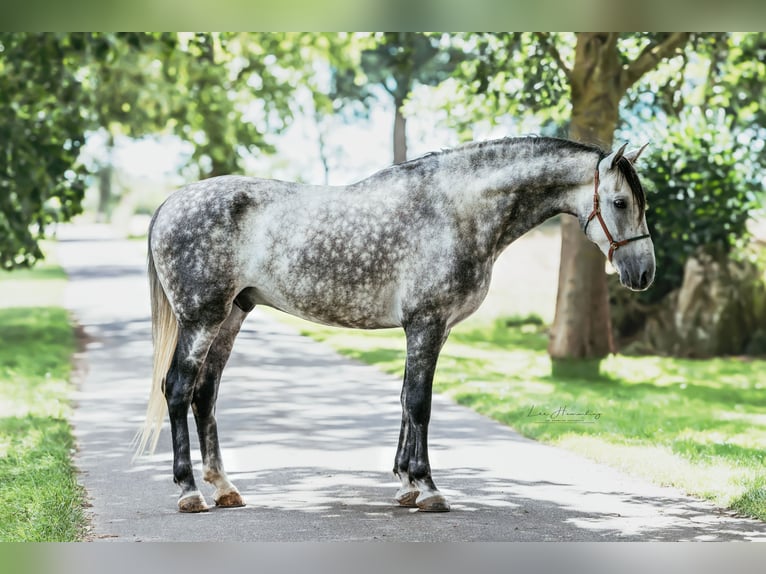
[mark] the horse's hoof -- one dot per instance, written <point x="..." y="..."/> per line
<point x="230" y="499"/>
<point x="433" y="503"/>
<point x="406" y="497"/>
<point x="194" y="502"/>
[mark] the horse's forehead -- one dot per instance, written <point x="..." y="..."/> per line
<point x="614" y="182"/>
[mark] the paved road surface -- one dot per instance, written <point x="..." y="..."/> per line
<point x="309" y="438"/>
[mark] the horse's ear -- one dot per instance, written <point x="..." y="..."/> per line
<point x="615" y="156"/>
<point x="633" y="154"/>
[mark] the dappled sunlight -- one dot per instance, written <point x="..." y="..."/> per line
<point x="703" y="419"/>
<point x="309" y="439"/>
<point x="718" y="373"/>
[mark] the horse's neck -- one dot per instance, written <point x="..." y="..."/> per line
<point x="510" y="190"/>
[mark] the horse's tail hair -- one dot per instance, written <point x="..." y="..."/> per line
<point x="164" y="339"/>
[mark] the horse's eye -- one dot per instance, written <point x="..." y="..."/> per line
<point x="620" y="203"/>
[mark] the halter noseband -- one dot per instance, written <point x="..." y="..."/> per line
<point x="613" y="245"/>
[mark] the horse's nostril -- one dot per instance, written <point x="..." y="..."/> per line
<point x="644" y="281"/>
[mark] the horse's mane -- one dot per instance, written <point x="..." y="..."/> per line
<point x="507" y="143"/>
<point x="624" y="166"/>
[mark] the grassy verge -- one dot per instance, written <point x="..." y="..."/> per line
<point x="42" y="286"/>
<point x="40" y="499"/>
<point x="696" y="425"/>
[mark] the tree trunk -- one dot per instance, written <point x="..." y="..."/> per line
<point x="581" y="332"/>
<point x="400" y="134"/>
<point x="105" y="183"/>
<point x="104" y="193"/>
<point x="322" y="147"/>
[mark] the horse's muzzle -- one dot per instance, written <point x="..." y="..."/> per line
<point x="637" y="277"/>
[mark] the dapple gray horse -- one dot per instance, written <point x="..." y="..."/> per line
<point x="412" y="246"/>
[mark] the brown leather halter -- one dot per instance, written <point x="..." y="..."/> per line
<point x="613" y="245"/>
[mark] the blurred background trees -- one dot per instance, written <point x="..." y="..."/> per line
<point x="41" y="133"/>
<point x="398" y="61"/>
<point x="229" y="99"/>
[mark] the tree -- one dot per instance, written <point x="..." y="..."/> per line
<point x="222" y="92"/>
<point x="593" y="72"/>
<point x="400" y="60"/>
<point x="331" y="75"/>
<point x="128" y="95"/>
<point x="599" y="78"/>
<point x="230" y="90"/>
<point x="703" y="173"/>
<point x="41" y="132"/>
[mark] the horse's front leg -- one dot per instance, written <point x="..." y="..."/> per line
<point x="408" y="493"/>
<point x="425" y="337"/>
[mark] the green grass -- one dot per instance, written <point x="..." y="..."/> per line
<point x="40" y="499"/>
<point x="696" y="425"/>
<point x="42" y="286"/>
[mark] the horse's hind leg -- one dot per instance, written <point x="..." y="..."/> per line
<point x="203" y="406"/>
<point x="193" y="344"/>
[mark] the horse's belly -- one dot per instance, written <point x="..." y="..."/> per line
<point x="340" y="305"/>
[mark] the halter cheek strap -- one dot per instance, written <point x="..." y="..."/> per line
<point x="596" y="213"/>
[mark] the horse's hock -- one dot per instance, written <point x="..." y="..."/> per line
<point x="720" y="309"/>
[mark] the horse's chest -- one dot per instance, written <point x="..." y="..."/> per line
<point x="454" y="288"/>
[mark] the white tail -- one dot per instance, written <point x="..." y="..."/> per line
<point x="164" y="338"/>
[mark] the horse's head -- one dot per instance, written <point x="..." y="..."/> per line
<point x="617" y="222"/>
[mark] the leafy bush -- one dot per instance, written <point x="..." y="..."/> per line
<point x="702" y="183"/>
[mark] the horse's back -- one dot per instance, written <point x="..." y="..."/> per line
<point x="356" y="256"/>
<point x="322" y="253"/>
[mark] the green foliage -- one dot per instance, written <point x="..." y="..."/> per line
<point x="330" y="72"/>
<point x="511" y="74"/>
<point x="346" y="93"/>
<point x="41" y="132"/>
<point x="122" y="77"/>
<point x="517" y="71"/>
<point x="226" y="91"/>
<point x="736" y="79"/>
<point x="399" y="60"/>
<point x="697" y="425"/>
<point x="752" y="501"/>
<point x="222" y="92"/>
<point x="702" y="186"/>
<point x="53" y="89"/>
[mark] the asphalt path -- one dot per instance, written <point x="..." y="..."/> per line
<point x="309" y="438"/>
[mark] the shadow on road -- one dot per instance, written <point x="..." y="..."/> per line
<point x="309" y="438"/>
